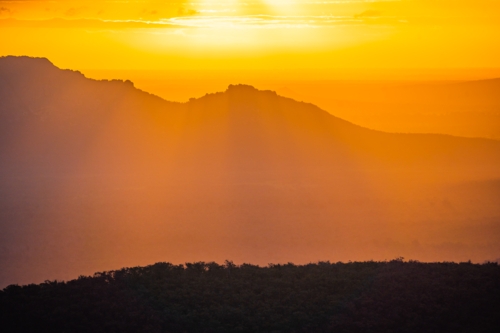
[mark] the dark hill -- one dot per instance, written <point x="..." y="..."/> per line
<point x="98" y="174"/>
<point x="202" y="297"/>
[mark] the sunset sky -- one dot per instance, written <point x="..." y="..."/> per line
<point x="299" y="36"/>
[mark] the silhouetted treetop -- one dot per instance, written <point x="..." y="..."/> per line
<point x="393" y="296"/>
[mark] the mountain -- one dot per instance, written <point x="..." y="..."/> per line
<point x="99" y="175"/>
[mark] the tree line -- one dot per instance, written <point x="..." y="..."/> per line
<point x="389" y="296"/>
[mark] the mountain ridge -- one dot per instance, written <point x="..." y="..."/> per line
<point x="22" y="61"/>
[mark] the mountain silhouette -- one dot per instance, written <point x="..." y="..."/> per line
<point x="100" y="175"/>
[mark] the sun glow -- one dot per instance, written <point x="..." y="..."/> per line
<point x="313" y="34"/>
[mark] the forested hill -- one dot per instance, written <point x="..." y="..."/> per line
<point x="393" y="296"/>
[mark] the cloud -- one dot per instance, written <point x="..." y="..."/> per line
<point x="185" y="21"/>
<point x="87" y="24"/>
<point x="262" y="21"/>
<point x="71" y="12"/>
<point x="74" y="11"/>
<point x="186" y="12"/>
<point x="368" y="13"/>
<point x="90" y="9"/>
<point x="5" y="10"/>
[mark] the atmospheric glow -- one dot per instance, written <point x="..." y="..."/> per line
<point x="329" y="35"/>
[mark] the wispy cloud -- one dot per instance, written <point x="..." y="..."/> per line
<point x="5" y="11"/>
<point x="86" y="23"/>
<point x="270" y="21"/>
<point x="201" y="21"/>
<point x="261" y="13"/>
<point x="259" y="21"/>
<point x="368" y="13"/>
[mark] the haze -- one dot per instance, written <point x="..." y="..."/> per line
<point x="98" y="174"/>
<point x="258" y="131"/>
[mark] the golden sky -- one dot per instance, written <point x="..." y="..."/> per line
<point x="321" y="35"/>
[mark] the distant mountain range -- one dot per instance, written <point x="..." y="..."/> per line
<point x="97" y="175"/>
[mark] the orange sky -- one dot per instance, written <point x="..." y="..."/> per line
<point x="296" y="36"/>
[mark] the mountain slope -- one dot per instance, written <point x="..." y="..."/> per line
<point x="470" y="109"/>
<point x="99" y="175"/>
